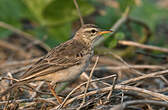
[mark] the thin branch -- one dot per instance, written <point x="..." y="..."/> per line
<point x="151" y="75"/>
<point x="117" y="25"/>
<point x="123" y="18"/>
<point x="14" y="48"/>
<point x="88" y="82"/>
<point x="138" y="72"/>
<point x="136" y="102"/>
<point x="123" y="67"/>
<point x="7" y="78"/>
<point x="37" y="89"/>
<point x="99" y="79"/>
<point x="19" y="63"/>
<point x="15" y="71"/>
<point x="122" y="87"/>
<point x="26" y="35"/>
<point x="87" y="77"/>
<point x="149" y="47"/>
<point x="79" y="13"/>
<point x="112" y="86"/>
<point x="162" y="90"/>
<point x="124" y="62"/>
<point x="49" y="100"/>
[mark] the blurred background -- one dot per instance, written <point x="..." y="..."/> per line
<point x="29" y="28"/>
<point x="55" y="21"/>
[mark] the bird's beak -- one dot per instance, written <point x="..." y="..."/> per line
<point x="104" y="32"/>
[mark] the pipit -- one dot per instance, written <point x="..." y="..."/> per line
<point x="65" y="62"/>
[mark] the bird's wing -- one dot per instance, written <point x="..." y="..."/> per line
<point x="61" y="57"/>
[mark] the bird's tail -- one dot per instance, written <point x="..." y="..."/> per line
<point x="10" y="89"/>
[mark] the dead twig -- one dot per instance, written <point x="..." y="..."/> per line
<point x="33" y="95"/>
<point x="137" y="72"/>
<point x="124" y="62"/>
<point x="7" y="78"/>
<point x="87" y="77"/>
<point x="79" y="13"/>
<point x="121" y="87"/>
<point x="26" y="35"/>
<point x="150" y="75"/>
<point x="113" y="85"/>
<point x="49" y="100"/>
<point x="37" y="89"/>
<point x="117" y="25"/>
<point x="88" y="82"/>
<point x="123" y="67"/>
<point x="99" y="79"/>
<point x="149" y="47"/>
<point x="18" y="63"/>
<point x="15" y="71"/>
<point x="136" y="102"/>
<point x="14" y="48"/>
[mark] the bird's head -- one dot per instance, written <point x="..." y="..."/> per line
<point x="90" y="33"/>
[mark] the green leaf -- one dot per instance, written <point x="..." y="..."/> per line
<point x="119" y="35"/>
<point x="36" y="7"/>
<point x="4" y="33"/>
<point x="149" y="13"/>
<point x="126" y="3"/>
<point x="110" y="17"/>
<point x="58" y="34"/>
<point x="113" y="43"/>
<point x="62" y="11"/>
<point x="12" y="12"/>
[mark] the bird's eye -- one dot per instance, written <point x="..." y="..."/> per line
<point x="93" y="31"/>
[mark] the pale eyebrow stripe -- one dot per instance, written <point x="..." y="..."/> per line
<point x="89" y="29"/>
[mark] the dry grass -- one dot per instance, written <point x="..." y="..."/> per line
<point x="137" y="86"/>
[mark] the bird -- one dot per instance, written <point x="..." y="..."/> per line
<point x="65" y="62"/>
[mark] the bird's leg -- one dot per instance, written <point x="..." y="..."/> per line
<point x="52" y="89"/>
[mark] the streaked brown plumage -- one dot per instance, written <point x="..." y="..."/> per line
<point x="65" y="62"/>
